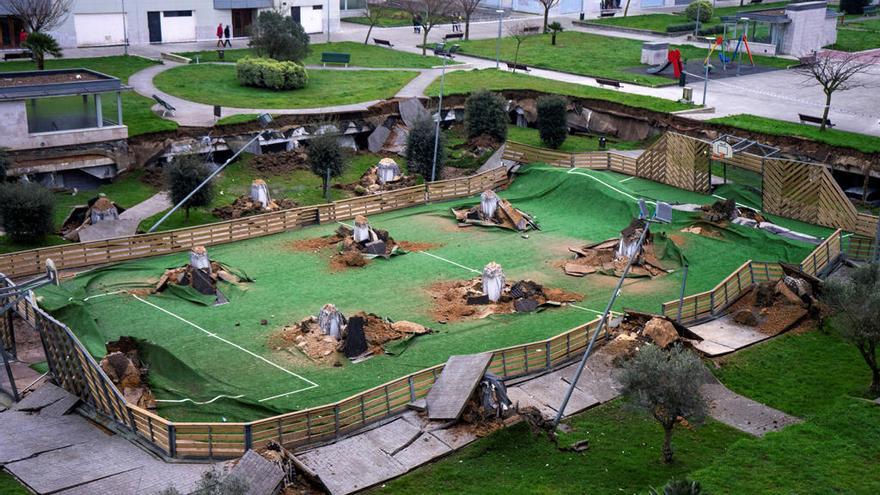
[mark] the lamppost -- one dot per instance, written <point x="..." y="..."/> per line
<point x="124" y="30"/>
<point x="439" y="118"/>
<point x="327" y="13"/>
<point x="498" y="41"/>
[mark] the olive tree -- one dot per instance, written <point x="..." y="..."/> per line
<point x="26" y="211"/>
<point x="325" y="157"/>
<point x="280" y="37"/>
<point x="856" y="300"/>
<point x="552" y="122"/>
<point x="420" y="149"/>
<point x="485" y="113"/>
<point x="183" y="175"/>
<point x="666" y="385"/>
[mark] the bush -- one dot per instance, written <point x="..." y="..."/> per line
<point x="717" y="29"/>
<point x="5" y="164"/>
<point x="853" y="7"/>
<point x="704" y="7"/>
<point x="681" y="28"/>
<point x="420" y="149"/>
<point x="486" y="113"/>
<point x="279" y="37"/>
<point x="185" y="173"/>
<point x="552" y="124"/>
<point x="27" y="211"/>
<point x="271" y="74"/>
<point x="325" y="154"/>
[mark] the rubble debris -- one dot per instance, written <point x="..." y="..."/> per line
<point x="727" y="210"/>
<point x="777" y="306"/>
<point x="295" y="480"/>
<point x="202" y="274"/>
<point x="124" y="368"/>
<point x="610" y="257"/>
<point x="322" y="338"/>
<point x="273" y="164"/>
<point x="386" y="176"/>
<point x="661" y="331"/>
<point x="365" y="240"/>
<point x="538" y="424"/>
<point x="98" y="209"/>
<point x="745" y="317"/>
<point x="466" y="299"/>
<point x="493" y="281"/>
<point x="628" y="333"/>
<point x="495" y="212"/>
<point x="258" y="201"/>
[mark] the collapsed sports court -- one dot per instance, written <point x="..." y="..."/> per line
<point x="224" y="378"/>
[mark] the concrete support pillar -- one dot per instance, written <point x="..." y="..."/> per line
<point x="99" y="112"/>
<point x="119" y="108"/>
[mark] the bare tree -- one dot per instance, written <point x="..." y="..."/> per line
<point x="467" y="8"/>
<point x="374" y="12"/>
<point x="834" y="72"/>
<point x="519" y="33"/>
<point x="429" y="13"/>
<point x="547" y="4"/>
<point x="40" y="15"/>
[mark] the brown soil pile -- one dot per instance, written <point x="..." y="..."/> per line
<point x="307" y="337"/>
<point x="244" y="206"/>
<point x="153" y="176"/>
<point x="771" y="308"/>
<point x="124" y="368"/>
<point x="638" y="329"/>
<point x="348" y="259"/>
<point x="418" y="246"/>
<point x="315" y="244"/>
<point x="464" y="299"/>
<point x="602" y="258"/>
<point x="703" y="231"/>
<point x="202" y="282"/>
<point x="369" y="183"/>
<point x="483" y="143"/>
<point x="505" y="216"/>
<point x="727" y="210"/>
<point x="280" y="163"/>
<point x="474" y="421"/>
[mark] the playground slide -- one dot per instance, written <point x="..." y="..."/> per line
<point x="659" y="68"/>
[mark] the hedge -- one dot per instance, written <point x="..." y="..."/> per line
<point x="271" y="74"/>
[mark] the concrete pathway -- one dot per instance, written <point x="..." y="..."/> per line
<point x="156" y="203"/>
<point x="128" y="221"/>
<point x="723" y="336"/>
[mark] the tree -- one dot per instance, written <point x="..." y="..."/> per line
<point x="485" y="113"/>
<point x="699" y="10"/>
<point x="834" y="72"/>
<point x="373" y="12"/>
<point x="856" y="300"/>
<point x="853" y="7"/>
<point x="5" y="164"/>
<point x="519" y="34"/>
<point x="431" y="13"/>
<point x="552" y="122"/>
<point x="666" y="385"/>
<point x="279" y="37"/>
<point x="420" y="149"/>
<point x="467" y="8"/>
<point x="26" y="210"/>
<point x="547" y="4"/>
<point x="325" y="157"/>
<point x="555" y="28"/>
<point x="41" y="44"/>
<point x="40" y="15"/>
<point x="679" y="487"/>
<point x="185" y="173"/>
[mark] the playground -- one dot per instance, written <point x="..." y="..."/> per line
<point x="225" y="362"/>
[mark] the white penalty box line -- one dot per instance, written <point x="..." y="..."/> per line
<point x="233" y="344"/>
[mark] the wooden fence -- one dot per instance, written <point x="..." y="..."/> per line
<point x="146" y="245"/>
<point x="858" y="247"/>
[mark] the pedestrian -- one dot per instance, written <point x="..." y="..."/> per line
<point x="22" y="36"/>
<point x="220" y="35"/>
<point x="227" y="34"/>
<point x="456" y="23"/>
<point x="417" y="23"/>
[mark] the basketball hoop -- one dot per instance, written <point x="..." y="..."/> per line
<point x="721" y="150"/>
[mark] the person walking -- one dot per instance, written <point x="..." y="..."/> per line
<point x="456" y="23"/>
<point x="22" y="37"/>
<point x="227" y="34"/>
<point x="220" y="35"/>
<point x="417" y="23"/>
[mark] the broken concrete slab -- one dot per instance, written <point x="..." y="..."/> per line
<point x="550" y="389"/>
<point x="42" y="397"/>
<point x="597" y="379"/>
<point x="423" y="449"/>
<point x="456" y="384"/>
<point x="743" y="413"/>
<point x="262" y="476"/>
<point x="350" y="465"/>
<point x="394" y="436"/>
<point x="727" y="333"/>
<point x="455" y="438"/>
<point x="26" y="434"/>
<point x="411" y="111"/>
<point x="109" y="229"/>
<point x="377" y="138"/>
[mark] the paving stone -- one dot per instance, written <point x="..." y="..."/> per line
<point x="424" y="449"/>
<point x="550" y="389"/>
<point x="393" y="436"/>
<point x="728" y="333"/>
<point x="743" y="413"/>
<point x="455" y="438"/>
<point x="25" y="434"/>
<point x="262" y="476"/>
<point x="350" y="465"/>
<point x="44" y="396"/>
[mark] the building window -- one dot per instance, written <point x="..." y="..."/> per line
<point x="65" y="113"/>
<point x="177" y="13"/>
<point x="352" y="4"/>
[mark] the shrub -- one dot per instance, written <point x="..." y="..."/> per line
<point x="271" y="74"/>
<point x="185" y="173"/>
<point x="703" y="6"/>
<point x="681" y="28"/>
<point x="325" y="155"/>
<point x="486" y="113"/>
<point x="279" y="37"/>
<point x="717" y="29"/>
<point x="5" y="164"/>
<point x="552" y="124"/>
<point x="41" y="44"/>
<point x="27" y="211"/>
<point x="853" y="7"/>
<point x="420" y="149"/>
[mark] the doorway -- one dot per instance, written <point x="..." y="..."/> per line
<point x="154" y="26"/>
<point x="9" y="28"/>
<point x="241" y="22"/>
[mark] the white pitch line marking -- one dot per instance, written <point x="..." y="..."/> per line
<point x="177" y="401"/>
<point x="261" y="358"/>
<point x="448" y="261"/>
<point x="576" y="171"/>
<point x="627" y="180"/>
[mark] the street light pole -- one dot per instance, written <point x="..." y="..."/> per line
<point x="124" y="29"/>
<point x="328" y="20"/>
<point x="498" y="40"/>
<point x="439" y="118"/>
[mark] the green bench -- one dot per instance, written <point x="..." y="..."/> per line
<point x="335" y="58"/>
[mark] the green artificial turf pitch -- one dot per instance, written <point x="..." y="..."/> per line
<point x="225" y="355"/>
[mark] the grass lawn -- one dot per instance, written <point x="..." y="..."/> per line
<point x="136" y="113"/>
<point x="572" y="144"/>
<point x="361" y="56"/>
<point x="217" y="85"/>
<point x="10" y="486"/>
<point x="858" y="36"/>
<point x="658" y="22"/>
<point x="590" y="55"/>
<point x="463" y="82"/>
<point x="861" y="142"/>
<point x="391" y="17"/>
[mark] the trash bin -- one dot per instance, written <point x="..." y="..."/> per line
<point x="687" y="94"/>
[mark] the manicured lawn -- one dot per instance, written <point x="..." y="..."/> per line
<point x="861" y="142"/>
<point x="390" y="18"/>
<point x="463" y="82"/>
<point x="858" y="36"/>
<point x="361" y="56"/>
<point x="590" y="55"/>
<point x="10" y="486"/>
<point x="136" y="113"/>
<point x="217" y="85"/>
<point x="658" y="22"/>
<point x="572" y="144"/>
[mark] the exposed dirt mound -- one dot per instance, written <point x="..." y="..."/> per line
<point x="771" y="308"/>
<point x="463" y="299"/>
<point x="418" y="246"/>
<point x="495" y="212"/>
<point x="315" y="244"/>
<point x="727" y="210"/>
<point x="606" y="258"/>
<point x="387" y="176"/>
<point x="244" y="206"/>
<point x="123" y="366"/>
<point x="634" y="330"/>
<point x="280" y="163"/>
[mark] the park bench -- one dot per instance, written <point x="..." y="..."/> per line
<point x="453" y="36"/>
<point x="166" y="107"/>
<point x="531" y="29"/>
<point x="440" y="50"/>
<point x="335" y="58"/>
<point x="513" y="66"/>
<point x="814" y="120"/>
<point x="608" y="82"/>
<point x="869" y="10"/>
<point x="607" y="13"/>
<point x="18" y="55"/>
<point x="382" y="42"/>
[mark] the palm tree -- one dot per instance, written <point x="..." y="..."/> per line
<point x="41" y="44"/>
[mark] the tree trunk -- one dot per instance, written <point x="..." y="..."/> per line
<point x="516" y="56"/>
<point x="467" y="27"/>
<point x="553" y="39"/>
<point x="424" y="41"/>
<point x="667" y="443"/>
<point x="326" y="186"/>
<point x="825" y="113"/>
<point x="367" y="39"/>
<point x="875" y="383"/>
<point x="546" y="14"/>
<point x="186" y="213"/>
<point x="40" y="59"/>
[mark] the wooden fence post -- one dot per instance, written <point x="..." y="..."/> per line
<point x="248" y="437"/>
<point x="172" y="440"/>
